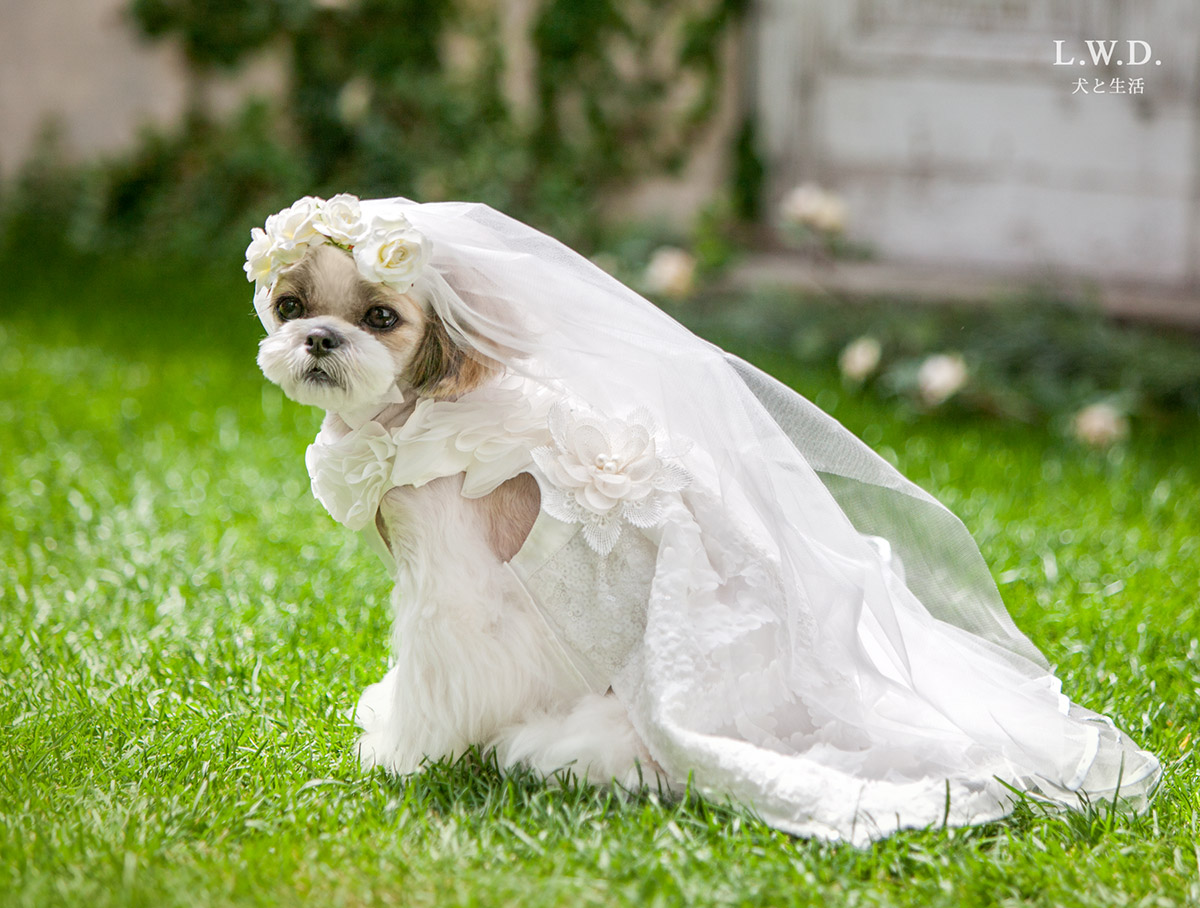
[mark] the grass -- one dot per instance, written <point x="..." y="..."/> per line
<point x="182" y="631"/>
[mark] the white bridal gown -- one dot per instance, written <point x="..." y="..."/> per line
<point x="789" y="622"/>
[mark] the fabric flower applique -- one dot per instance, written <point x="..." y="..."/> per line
<point x="605" y="472"/>
<point x="351" y="476"/>
<point x="485" y="435"/>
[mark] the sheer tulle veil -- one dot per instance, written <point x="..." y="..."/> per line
<point x="822" y="639"/>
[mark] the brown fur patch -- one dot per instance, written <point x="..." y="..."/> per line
<point x="508" y="514"/>
<point x="441" y="368"/>
<point x="381" y="526"/>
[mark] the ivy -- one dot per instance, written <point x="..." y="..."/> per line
<point x="378" y="106"/>
<point x="634" y="119"/>
<point x="216" y="33"/>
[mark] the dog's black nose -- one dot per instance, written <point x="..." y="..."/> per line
<point x="322" y="341"/>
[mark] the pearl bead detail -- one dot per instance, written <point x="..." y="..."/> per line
<point x="606" y="463"/>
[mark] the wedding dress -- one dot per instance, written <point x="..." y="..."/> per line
<point x="788" y="621"/>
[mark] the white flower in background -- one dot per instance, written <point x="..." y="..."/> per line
<point x="832" y="216"/>
<point x="260" y="266"/>
<point x="808" y="205"/>
<point x="940" y="377"/>
<point x="393" y="252"/>
<point x="354" y="101"/>
<point x="802" y="203"/>
<point x="351" y="475"/>
<point x="671" y="272"/>
<point x="293" y="229"/>
<point x="603" y="473"/>
<point x="860" y="358"/>
<point x="341" y="220"/>
<point x="1100" y="425"/>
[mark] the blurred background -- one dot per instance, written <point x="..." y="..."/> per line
<point x="786" y="172"/>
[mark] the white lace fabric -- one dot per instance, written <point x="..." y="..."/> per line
<point x="789" y="621"/>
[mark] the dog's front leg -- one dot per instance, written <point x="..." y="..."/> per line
<point x="472" y="656"/>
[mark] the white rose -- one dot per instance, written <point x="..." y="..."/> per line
<point x="389" y="222"/>
<point x="1100" y="425"/>
<point x="801" y="204"/>
<point x="671" y="272"/>
<point x="808" y="205"/>
<point x="860" y="358"/>
<point x="341" y="220"/>
<point x="293" y="229"/>
<point x="393" y="253"/>
<point x="259" y="266"/>
<point x="940" y="377"/>
<point x="831" y="216"/>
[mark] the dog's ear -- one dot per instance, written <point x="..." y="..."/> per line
<point x="443" y="369"/>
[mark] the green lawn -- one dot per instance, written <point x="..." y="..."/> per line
<point x="183" y="629"/>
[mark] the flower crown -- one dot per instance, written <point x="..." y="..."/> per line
<point x="386" y="248"/>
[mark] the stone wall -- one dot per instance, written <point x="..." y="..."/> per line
<point x="79" y="65"/>
<point x="956" y="138"/>
<point x="945" y="124"/>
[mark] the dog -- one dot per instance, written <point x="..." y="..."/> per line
<point x="475" y="664"/>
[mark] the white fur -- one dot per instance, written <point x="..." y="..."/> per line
<point x="361" y="372"/>
<point x="475" y="662"/>
<point x="592" y="737"/>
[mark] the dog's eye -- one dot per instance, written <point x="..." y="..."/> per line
<point x="288" y="308"/>
<point x="381" y="318"/>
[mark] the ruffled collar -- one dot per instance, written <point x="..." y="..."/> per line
<point x="487" y="434"/>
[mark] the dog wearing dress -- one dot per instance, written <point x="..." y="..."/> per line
<point x="474" y="662"/>
<point x="621" y="551"/>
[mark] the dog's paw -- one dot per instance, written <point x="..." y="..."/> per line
<point x="375" y="708"/>
<point x="594" y="740"/>
<point x="383" y="752"/>
<point x="381" y="743"/>
<point x="371" y="752"/>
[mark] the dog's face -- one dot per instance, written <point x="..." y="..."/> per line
<point x="342" y="341"/>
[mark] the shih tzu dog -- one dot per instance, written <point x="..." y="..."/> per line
<point x="474" y="661"/>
